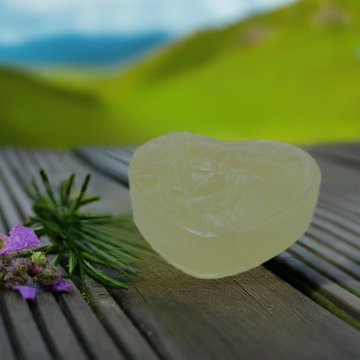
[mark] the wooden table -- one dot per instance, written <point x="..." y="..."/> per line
<point x="303" y="304"/>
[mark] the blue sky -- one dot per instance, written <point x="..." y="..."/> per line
<point x="21" y="20"/>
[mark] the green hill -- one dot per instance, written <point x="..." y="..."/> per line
<point x="290" y="75"/>
<point x="34" y="112"/>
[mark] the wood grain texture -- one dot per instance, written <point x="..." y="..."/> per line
<point x="223" y="318"/>
<point x="343" y="262"/>
<point x="93" y="336"/>
<point x="338" y="219"/>
<point x="89" y="330"/>
<point x="338" y="231"/>
<point x="6" y="351"/>
<point x="326" y="268"/>
<point x="334" y="242"/>
<point x="184" y="317"/>
<point x="125" y="334"/>
<point x="84" y="324"/>
<point x="15" y="310"/>
<point x="348" y="153"/>
<point x="331" y="237"/>
<point x="60" y="337"/>
<point x="13" y="187"/>
<point x="339" y="296"/>
<point x="30" y="344"/>
<point x="110" y="166"/>
<point x="251" y="315"/>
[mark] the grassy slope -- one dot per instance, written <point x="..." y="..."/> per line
<point x="33" y="112"/>
<point x="294" y="81"/>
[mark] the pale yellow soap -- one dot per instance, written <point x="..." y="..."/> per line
<point x="214" y="208"/>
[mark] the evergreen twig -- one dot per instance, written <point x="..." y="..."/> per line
<point x="82" y="236"/>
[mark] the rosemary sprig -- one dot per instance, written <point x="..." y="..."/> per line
<point x="86" y="238"/>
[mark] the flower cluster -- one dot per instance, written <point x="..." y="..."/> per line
<point x="15" y="270"/>
<point x="14" y="273"/>
<point x="43" y="272"/>
<point x="20" y="238"/>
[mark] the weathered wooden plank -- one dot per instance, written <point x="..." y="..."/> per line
<point x="9" y="214"/>
<point x="340" y="232"/>
<point x="29" y="341"/>
<point x="223" y="318"/>
<point x="326" y="268"/>
<point x="338" y="178"/>
<point x="126" y="335"/>
<point x="201" y="319"/>
<point x="60" y="337"/>
<point x="55" y="328"/>
<point x="113" y="154"/>
<point x="339" y="174"/>
<point x="116" y="195"/>
<point x="338" y="219"/>
<point x="92" y="335"/>
<point x="345" y="153"/>
<point x="343" y="204"/>
<point x="342" y="298"/>
<point x="123" y="331"/>
<point x="112" y="167"/>
<point x="338" y="215"/>
<point x="16" y="189"/>
<point x="118" y="154"/>
<point x="339" y="260"/>
<point x="334" y="242"/>
<point x="172" y="309"/>
<point x="128" y="339"/>
<point x="87" y="327"/>
<point x="6" y="351"/>
<point x="122" y="150"/>
<point x="118" y="199"/>
<point x="350" y="216"/>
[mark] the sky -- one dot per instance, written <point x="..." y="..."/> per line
<point x="22" y="20"/>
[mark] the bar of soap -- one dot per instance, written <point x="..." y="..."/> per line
<point x="215" y="208"/>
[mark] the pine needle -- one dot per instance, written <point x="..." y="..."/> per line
<point x="86" y="238"/>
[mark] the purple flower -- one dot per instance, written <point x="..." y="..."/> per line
<point x="58" y="285"/>
<point x="27" y="292"/>
<point x="20" y="238"/>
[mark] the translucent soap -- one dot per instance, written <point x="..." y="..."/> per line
<point x="215" y="208"/>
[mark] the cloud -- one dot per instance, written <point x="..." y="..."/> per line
<point x="23" y="19"/>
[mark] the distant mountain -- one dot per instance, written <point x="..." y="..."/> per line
<point x="75" y="50"/>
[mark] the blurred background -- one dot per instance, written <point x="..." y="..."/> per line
<point x="125" y="71"/>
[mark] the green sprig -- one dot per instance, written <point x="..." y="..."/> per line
<point x="86" y="238"/>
